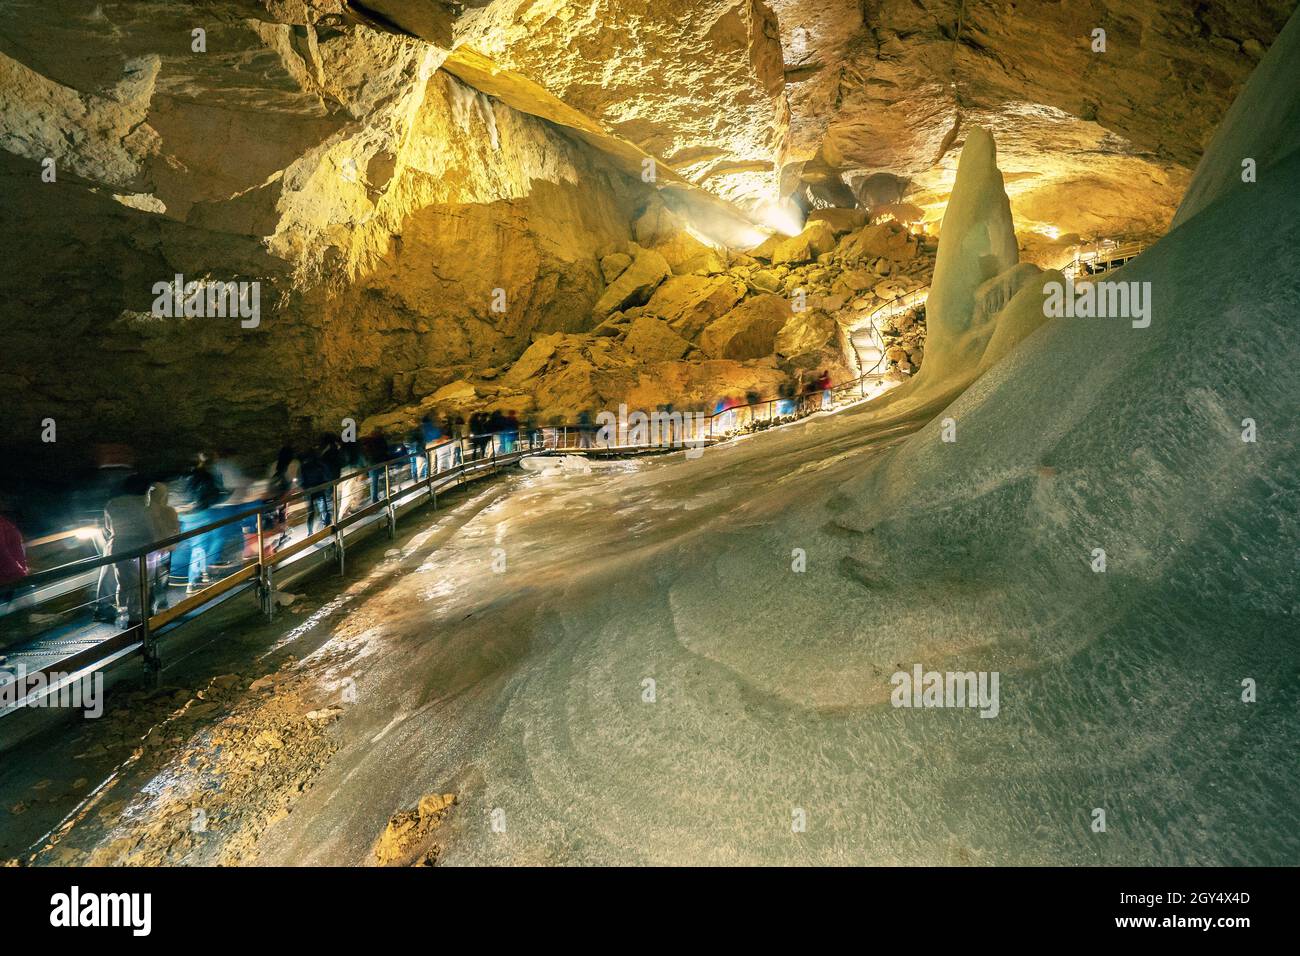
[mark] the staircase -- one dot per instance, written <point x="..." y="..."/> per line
<point x="865" y="333"/>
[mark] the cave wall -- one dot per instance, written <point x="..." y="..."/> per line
<point x="378" y="280"/>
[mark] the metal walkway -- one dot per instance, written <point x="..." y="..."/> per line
<point x="261" y="553"/>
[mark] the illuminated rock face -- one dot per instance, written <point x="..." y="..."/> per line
<point x="697" y="83"/>
<point x="1089" y="141"/>
<point x="407" y="234"/>
<point x="410" y="232"/>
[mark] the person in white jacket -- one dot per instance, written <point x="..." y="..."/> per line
<point x="128" y="526"/>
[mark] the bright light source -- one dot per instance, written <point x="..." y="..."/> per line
<point x="783" y="217"/>
<point x="87" y="534"/>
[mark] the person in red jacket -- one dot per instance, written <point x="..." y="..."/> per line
<point x="13" y="556"/>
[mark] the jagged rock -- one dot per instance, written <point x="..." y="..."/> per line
<point x="686" y="255"/>
<point x="455" y="392"/>
<point x="635" y="285"/>
<point x="613" y="265"/>
<point x="689" y="303"/>
<point x="765" y="280"/>
<point x="615" y="325"/>
<point x="857" y="280"/>
<point x="664" y="231"/>
<point x="817" y="238"/>
<point x="534" y="359"/>
<point x="652" y="340"/>
<point x="888" y="289"/>
<point x="765" y="249"/>
<point x="885" y="240"/>
<point x="805" y="333"/>
<point x="748" y="331"/>
<point x="840" y="220"/>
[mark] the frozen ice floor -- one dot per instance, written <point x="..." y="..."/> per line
<point x="525" y="691"/>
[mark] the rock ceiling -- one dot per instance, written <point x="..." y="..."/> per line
<point x="733" y="94"/>
<point x="741" y="98"/>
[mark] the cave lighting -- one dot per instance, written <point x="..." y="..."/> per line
<point x="781" y="216"/>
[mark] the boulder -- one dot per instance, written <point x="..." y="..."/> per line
<point x="455" y="393"/>
<point x="686" y="255"/>
<point x="840" y="220"/>
<point x="651" y="339"/>
<point x="689" y="303"/>
<point x="858" y="280"/>
<point x="534" y="359"/>
<point x="748" y="331"/>
<point x="889" y="289"/>
<point x="816" y="239"/>
<point x="886" y="240"/>
<point x="656" y="224"/>
<point x="613" y="265"/>
<point x="616" y="324"/>
<point x="661" y="229"/>
<point x="635" y="284"/>
<point x="765" y="249"/>
<point x="805" y="333"/>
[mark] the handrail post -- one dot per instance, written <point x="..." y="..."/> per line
<point x="431" y="459"/>
<point x="388" y="504"/>
<point x="152" y="662"/>
<point x="264" y="592"/>
<point x="338" y="530"/>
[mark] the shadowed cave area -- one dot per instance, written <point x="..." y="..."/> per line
<point x="726" y="432"/>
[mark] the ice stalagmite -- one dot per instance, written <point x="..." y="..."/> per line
<point x="976" y="242"/>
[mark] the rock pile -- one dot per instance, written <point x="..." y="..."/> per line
<point x="682" y="322"/>
<point x="903" y="335"/>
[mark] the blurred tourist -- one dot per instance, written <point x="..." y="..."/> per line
<point x="165" y="523"/>
<point x="129" y="526"/>
<point x="205" y="494"/>
<point x="13" y="556"/>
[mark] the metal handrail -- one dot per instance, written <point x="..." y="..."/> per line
<point x="481" y="446"/>
<point x="843" y="385"/>
<point x="84" y="565"/>
<point x="143" y="636"/>
<point x="73" y="568"/>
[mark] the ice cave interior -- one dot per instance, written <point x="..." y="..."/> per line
<point x="437" y="211"/>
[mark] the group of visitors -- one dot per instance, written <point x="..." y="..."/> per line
<point x="140" y="512"/>
<point x="500" y="427"/>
